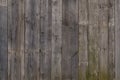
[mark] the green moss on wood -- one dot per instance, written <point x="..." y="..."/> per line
<point x="90" y="75"/>
<point x="103" y="75"/>
<point x="80" y="74"/>
<point x="92" y="71"/>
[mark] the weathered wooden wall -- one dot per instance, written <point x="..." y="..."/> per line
<point x="59" y="39"/>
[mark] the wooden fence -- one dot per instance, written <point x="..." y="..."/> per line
<point x="59" y="39"/>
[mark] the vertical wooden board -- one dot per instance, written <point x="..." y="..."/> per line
<point x="15" y="38"/>
<point x="10" y="26"/>
<point x="56" y="39"/>
<point x="3" y="40"/>
<point x="111" y="57"/>
<point x="103" y="27"/>
<point x="83" y="39"/>
<point x="45" y="39"/>
<point x="117" y="39"/>
<point x="32" y="19"/>
<point x="21" y="37"/>
<point x="75" y="40"/>
<point x="93" y="40"/>
<point x="70" y="40"/>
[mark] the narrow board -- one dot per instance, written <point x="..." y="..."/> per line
<point x="111" y="45"/>
<point x="103" y="44"/>
<point x="117" y="40"/>
<point x="93" y="40"/>
<point x="45" y="39"/>
<point x="56" y="39"/>
<point x="70" y="40"/>
<point x="15" y="39"/>
<point x="32" y="23"/>
<point x="3" y="40"/>
<point x="83" y="39"/>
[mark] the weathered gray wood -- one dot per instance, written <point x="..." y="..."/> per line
<point x="9" y="38"/>
<point x="111" y="57"/>
<point x="56" y="39"/>
<point x="83" y="39"/>
<point x="93" y="40"/>
<point x="103" y="27"/>
<point x="21" y="39"/>
<point x="117" y="39"/>
<point x="45" y="40"/>
<point x="15" y="38"/>
<point x="75" y="39"/>
<point x="59" y="40"/>
<point x="70" y="40"/>
<point x="10" y="52"/>
<point x="3" y="40"/>
<point x="32" y="19"/>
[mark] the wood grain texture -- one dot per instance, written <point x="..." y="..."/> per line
<point x="70" y="40"/>
<point x="59" y="40"/>
<point x="103" y="28"/>
<point x="56" y="39"/>
<point x="93" y="40"/>
<point x="111" y="38"/>
<point x="3" y="40"/>
<point x="32" y="15"/>
<point x="83" y="39"/>
<point x="15" y="39"/>
<point x="117" y="39"/>
<point x="45" y="39"/>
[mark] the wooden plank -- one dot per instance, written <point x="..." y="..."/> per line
<point x="3" y="40"/>
<point x="111" y="57"/>
<point x="10" y="38"/>
<point x="15" y="39"/>
<point x="56" y="39"/>
<point x="45" y="40"/>
<point x="103" y="27"/>
<point x="117" y="40"/>
<point x="93" y="40"/>
<point x="20" y="37"/>
<point x="32" y="18"/>
<point x="70" y="40"/>
<point x="10" y="26"/>
<point x="83" y="39"/>
<point x="75" y="40"/>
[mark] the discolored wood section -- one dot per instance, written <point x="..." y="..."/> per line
<point x="93" y="40"/>
<point x="59" y="40"/>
